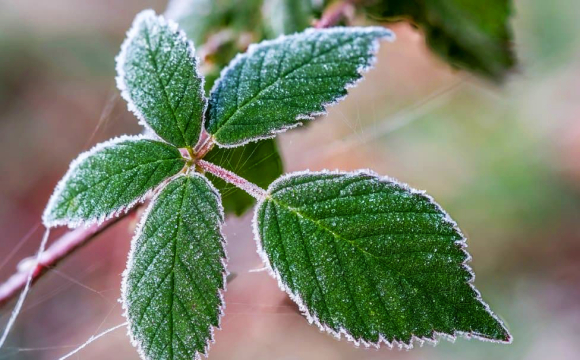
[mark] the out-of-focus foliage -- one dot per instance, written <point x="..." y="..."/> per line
<point x="470" y="34"/>
<point x="287" y="16"/>
<point x="202" y="18"/>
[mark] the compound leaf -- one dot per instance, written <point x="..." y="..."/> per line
<point x="277" y="84"/>
<point x="109" y="179"/>
<point x="171" y="288"/>
<point x="469" y="34"/>
<point x="157" y="76"/>
<point x="258" y="162"/>
<point x="371" y="258"/>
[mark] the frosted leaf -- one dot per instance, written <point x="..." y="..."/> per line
<point x="370" y="258"/>
<point x="109" y="179"/>
<point x="278" y="84"/>
<point x="176" y="270"/>
<point x="157" y="75"/>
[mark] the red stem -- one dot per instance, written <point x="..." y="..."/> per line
<point x="334" y="13"/>
<point x="233" y="179"/>
<point x="60" y="249"/>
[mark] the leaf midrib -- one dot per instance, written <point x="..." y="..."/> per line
<point x="163" y="87"/>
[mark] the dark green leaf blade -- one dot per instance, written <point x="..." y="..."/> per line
<point x="469" y="34"/>
<point x="176" y="272"/>
<point x="372" y="259"/>
<point x="280" y="83"/>
<point x="109" y="179"/>
<point x="157" y="75"/>
<point x="258" y="162"/>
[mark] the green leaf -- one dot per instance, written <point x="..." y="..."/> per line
<point x="176" y="272"/>
<point x="278" y="84"/>
<point x="469" y="34"/>
<point x="202" y="18"/>
<point x="257" y="162"/>
<point x="157" y="76"/>
<point x="109" y="179"/>
<point x="288" y="16"/>
<point x="371" y="258"/>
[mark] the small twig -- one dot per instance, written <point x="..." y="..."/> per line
<point x="335" y="12"/>
<point x="204" y="145"/>
<point x="233" y="179"/>
<point x="60" y="249"/>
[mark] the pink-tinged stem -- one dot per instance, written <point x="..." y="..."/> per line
<point x="233" y="179"/>
<point x="334" y="13"/>
<point x="60" y="249"/>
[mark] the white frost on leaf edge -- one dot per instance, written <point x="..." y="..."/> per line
<point x="138" y="231"/>
<point x="74" y="223"/>
<point x="120" y="60"/>
<point x="371" y="61"/>
<point x="313" y="319"/>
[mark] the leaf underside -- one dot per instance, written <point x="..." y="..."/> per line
<point x="278" y="84"/>
<point x="258" y="162"/>
<point x="109" y="178"/>
<point x="469" y="34"/>
<point x="176" y="271"/>
<point x="157" y="75"/>
<point x="372" y="259"/>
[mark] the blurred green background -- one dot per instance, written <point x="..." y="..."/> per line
<point x="504" y="161"/>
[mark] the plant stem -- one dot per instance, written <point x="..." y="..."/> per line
<point x="204" y="145"/>
<point x="335" y="12"/>
<point x="233" y="179"/>
<point x="60" y="249"/>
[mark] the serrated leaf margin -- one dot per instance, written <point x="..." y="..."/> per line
<point x="130" y="261"/>
<point x="74" y="164"/>
<point x="120" y="59"/>
<point x="373" y="50"/>
<point x="312" y="319"/>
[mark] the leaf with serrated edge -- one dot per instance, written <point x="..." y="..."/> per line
<point x="109" y="179"/>
<point x="277" y="84"/>
<point x="176" y="272"/>
<point x="372" y="259"/>
<point x="158" y="77"/>
<point x="258" y="162"/>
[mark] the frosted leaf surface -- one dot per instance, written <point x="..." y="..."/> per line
<point x="171" y="288"/>
<point x="157" y="75"/>
<point x="278" y="84"/>
<point x="258" y="162"/>
<point x="110" y="178"/>
<point x="372" y="259"/>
